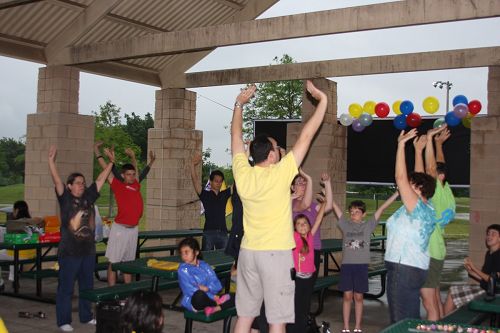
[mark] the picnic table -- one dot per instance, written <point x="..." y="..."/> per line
<point x="410" y="325"/>
<point x="328" y="248"/>
<point x="490" y="307"/>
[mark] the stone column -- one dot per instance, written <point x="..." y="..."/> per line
<point x="175" y="141"/>
<point x="56" y="122"/>
<point x="328" y="152"/>
<point x="485" y="166"/>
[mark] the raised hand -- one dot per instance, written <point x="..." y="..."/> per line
<point x="434" y="131"/>
<point x="442" y="136"/>
<point x="196" y="159"/>
<point x="110" y="153"/>
<point x="246" y="94"/>
<point x="52" y="153"/>
<point x="420" y="142"/>
<point x="130" y="153"/>
<point x="325" y="177"/>
<point x="315" y="92"/>
<point x="152" y="156"/>
<point x="404" y="137"/>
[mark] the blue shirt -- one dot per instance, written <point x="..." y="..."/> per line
<point x="192" y="276"/>
<point x="408" y="235"/>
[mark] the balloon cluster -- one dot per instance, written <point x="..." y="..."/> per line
<point x="360" y="117"/>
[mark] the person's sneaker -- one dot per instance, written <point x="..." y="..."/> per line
<point x="209" y="310"/>
<point x="223" y="299"/>
<point x="66" y="328"/>
<point x="91" y="322"/>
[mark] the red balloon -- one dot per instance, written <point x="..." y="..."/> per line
<point x="413" y="120"/>
<point x="382" y="109"/>
<point x="474" y="106"/>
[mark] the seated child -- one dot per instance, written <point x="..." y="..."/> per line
<point x="198" y="281"/>
<point x="459" y="295"/>
<point x="142" y="313"/>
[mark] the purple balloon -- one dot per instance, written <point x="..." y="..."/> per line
<point x="357" y="126"/>
<point x="460" y="110"/>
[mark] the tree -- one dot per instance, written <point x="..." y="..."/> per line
<point x="109" y="129"/>
<point x="11" y="161"/>
<point x="208" y="166"/>
<point x="274" y="100"/>
<point x="137" y="129"/>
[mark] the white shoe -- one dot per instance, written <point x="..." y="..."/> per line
<point x="66" y="328"/>
<point x="91" y="322"/>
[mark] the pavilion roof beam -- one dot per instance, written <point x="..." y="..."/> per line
<point x="228" y="3"/>
<point x="411" y="62"/>
<point x="85" y="21"/>
<point x="23" y="51"/>
<point x="178" y="67"/>
<point x="378" y="16"/>
<point x="119" y="70"/>
<point x="15" y="3"/>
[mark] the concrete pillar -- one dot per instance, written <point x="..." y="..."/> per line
<point x="485" y="163"/>
<point x="328" y="152"/>
<point x="56" y="122"/>
<point x="174" y="140"/>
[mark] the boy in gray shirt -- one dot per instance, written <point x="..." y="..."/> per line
<point x="356" y="256"/>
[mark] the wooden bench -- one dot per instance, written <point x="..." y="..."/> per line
<point x="122" y="291"/>
<point x="225" y="315"/>
<point x="463" y="315"/>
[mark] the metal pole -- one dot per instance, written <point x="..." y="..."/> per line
<point x="448" y="87"/>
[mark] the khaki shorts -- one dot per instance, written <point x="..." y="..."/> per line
<point x="434" y="274"/>
<point x="265" y="275"/>
<point x="122" y="243"/>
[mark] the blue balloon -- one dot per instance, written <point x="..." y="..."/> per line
<point x="400" y="121"/>
<point x="451" y="119"/>
<point x="460" y="99"/>
<point x="406" y="107"/>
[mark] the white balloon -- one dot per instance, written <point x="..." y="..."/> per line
<point x="346" y="119"/>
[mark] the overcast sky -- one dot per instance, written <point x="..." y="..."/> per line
<point x="18" y="79"/>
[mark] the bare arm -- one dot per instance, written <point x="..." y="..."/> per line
<point x="53" y="171"/>
<point x="474" y="271"/>
<point x="336" y="209"/>
<point x="440" y="139"/>
<point x="106" y="173"/>
<point x="98" y="155"/>
<point x="194" y="176"/>
<point x="110" y="153"/>
<point x="419" y="145"/>
<point x="408" y="196"/>
<point x="237" y="145"/>
<point x="130" y="153"/>
<point x="430" y="158"/>
<point x="319" y="219"/>
<point x="325" y="180"/>
<point x="386" y="204"/>
<point x="311" y="126"/>
<point x="305" y="203"/>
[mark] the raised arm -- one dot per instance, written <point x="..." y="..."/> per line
<point x="430" y="158"/>
<point x="311" y="126"/>
<point x="408" y="196"/>
<point x="110" y="153"/>
<point x="130" y="153"/>
<point x="98" y="155"/>
<point x="53" y="171"/>
<point x="319" y="218"/>
<point x="325" y="180"/>
<point x="145" y="171"/>
<point x="419" y="145"/>
<point x="305" y="203"/>
<point x="440" y="140"/>
<point x="385" y="205"/>
<point x="237" y="145"/>
<point x="106" y="173"/>
<point x="336" y="209"/>
<point x="194" y="176"/>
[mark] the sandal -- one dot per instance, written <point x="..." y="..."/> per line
<point x="346" y="331"/>
<point x="358" y="330"/>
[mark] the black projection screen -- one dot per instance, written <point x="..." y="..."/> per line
<point x="371" y="153"/>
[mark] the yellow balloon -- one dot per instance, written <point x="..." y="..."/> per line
<point x="431" y="104"/>
<point x="369" y="107"/>
<point x="467" y="120"/>
<point x="395" y="107"/>
<point x="355" y="110"/>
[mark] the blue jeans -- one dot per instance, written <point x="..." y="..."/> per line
<point x="213" y="239"/>
<point x="70" y="270"/>
<point x="403" y="290"/>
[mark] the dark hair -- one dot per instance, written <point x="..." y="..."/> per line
<point x="260" y="148"/>
<point x="72" y="177"/>
<point x="216" y="173"/>
<point x="142" y="313"/>
<point x="493" y="227"/>
<point x="358" y="204"/>
<point x="441" y="168"/>
<point x="425" y="183"/>
<point x="192" y="244"/>
<point x="22" y="210"/>
<point x="126" y="167"/>
<point x="305" y="247"/>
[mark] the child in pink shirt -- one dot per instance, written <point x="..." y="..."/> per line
<point x="303" y="257"/>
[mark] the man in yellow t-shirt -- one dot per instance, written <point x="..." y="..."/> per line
<point x="265" y="258"/>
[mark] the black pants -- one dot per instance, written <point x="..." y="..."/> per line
<point x="303" y="294"/>
<point x="200" y="301"/>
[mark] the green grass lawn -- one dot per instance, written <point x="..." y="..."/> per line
<point x="459" y="228"/>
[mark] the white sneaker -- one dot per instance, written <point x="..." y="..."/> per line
<point x="91" y="322"/>
<point x="66" y="328"/>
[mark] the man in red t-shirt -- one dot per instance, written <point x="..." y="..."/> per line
<point x="122" y="241"/>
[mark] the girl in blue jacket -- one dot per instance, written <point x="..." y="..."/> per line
<point x="198" y="281"/>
